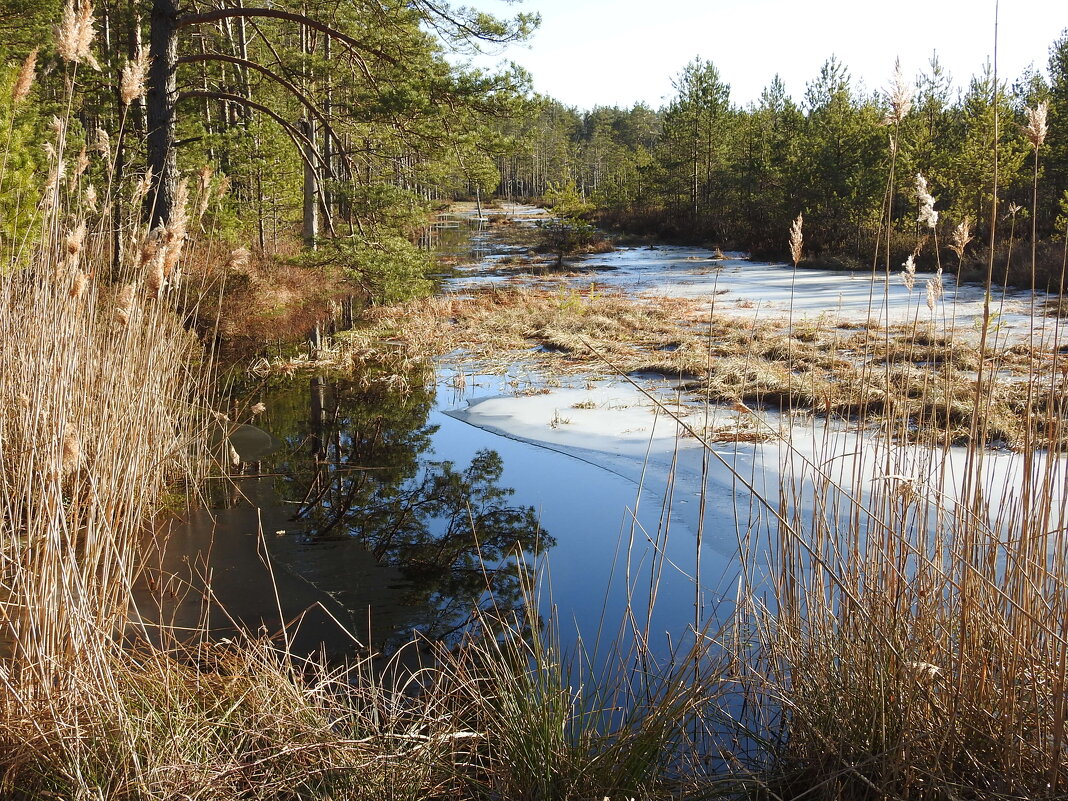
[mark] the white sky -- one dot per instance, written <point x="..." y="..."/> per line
<point x="619" y="52"/>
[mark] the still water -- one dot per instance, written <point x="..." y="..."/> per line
<point x="384" y="513"/>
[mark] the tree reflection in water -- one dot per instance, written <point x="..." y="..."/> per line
<point x="356" y="464"/>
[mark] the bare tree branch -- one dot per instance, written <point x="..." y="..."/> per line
<point x="290" y="87"/>
<point x="305" y="146"/>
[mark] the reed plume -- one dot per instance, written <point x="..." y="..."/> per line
<point x="132" y="83"/>
<point x="962" y="235"/>
<point x="222" y="187"/>
<point x="203" y="191"/>
<point x="155" y="279"/>
<point x="142" y="188"/>
<point x="73" y="245"/>
<point x="67" y="37"/>
<point x="72" y="453"/>
<point x="75" y="33"/>
<point x="81" y="164"/>
<point x="1036" y="128"/>
<point x="175" y="232"/>
<point x="899" y="96"/>
<point x="238" y="259"/>
<point x="152" y="254"/>
<point x="25" y="78"/>
<point x="934" y="289"/>
<point x="78" y="285"/>
<point x="928" y="216"/>
<point x="103" y="143"/>
<point x="908" y="276"/>
<point x="124" y="305"/>
<point x="796" y="240"/>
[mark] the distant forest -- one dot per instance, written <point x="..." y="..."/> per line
<point x="704" y="170"/>
<point x="346" y="124"/>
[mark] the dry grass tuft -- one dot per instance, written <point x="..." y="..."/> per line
<point x="922" y="379"/>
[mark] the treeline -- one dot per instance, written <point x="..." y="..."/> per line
<point x="341" y="122"/>
<point x="703" y="169"/>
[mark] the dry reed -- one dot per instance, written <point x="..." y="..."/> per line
<point x="108" y="377"/>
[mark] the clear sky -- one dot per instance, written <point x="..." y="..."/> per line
<point x="619" y="52"/>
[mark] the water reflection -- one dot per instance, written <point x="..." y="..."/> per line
<point x="361" y="515"/>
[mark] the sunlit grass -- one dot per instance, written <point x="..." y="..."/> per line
<point x="922" y="380"/>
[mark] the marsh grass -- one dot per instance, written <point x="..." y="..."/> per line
<point x="102" y="418"/>
<point x="92" y="434"/>
<point x="924" y="381"/>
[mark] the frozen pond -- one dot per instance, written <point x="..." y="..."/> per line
<point x="738" y="286"/>
<point x="604" y="485"/>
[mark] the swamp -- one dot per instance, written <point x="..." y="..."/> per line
<point x="374" y="426"/>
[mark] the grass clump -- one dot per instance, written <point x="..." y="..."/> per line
<point x="556" y="727"/>
<point x="223" y="721"/>
<point x="909" y="373"/>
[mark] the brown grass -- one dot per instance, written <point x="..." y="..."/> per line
<point x="247" y="302"/>
<point x="845" y="372"/>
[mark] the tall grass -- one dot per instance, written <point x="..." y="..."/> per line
<point x="915" y="644"/>
<point x="97" y="386"/>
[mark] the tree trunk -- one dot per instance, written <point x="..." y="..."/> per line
<point x="328" y="142"/>
<point x="311" y="190"/>
<point x="162" y="94"/>
<point x="260" y="229"/>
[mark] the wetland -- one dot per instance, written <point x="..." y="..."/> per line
<point x="604" y="442"/>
